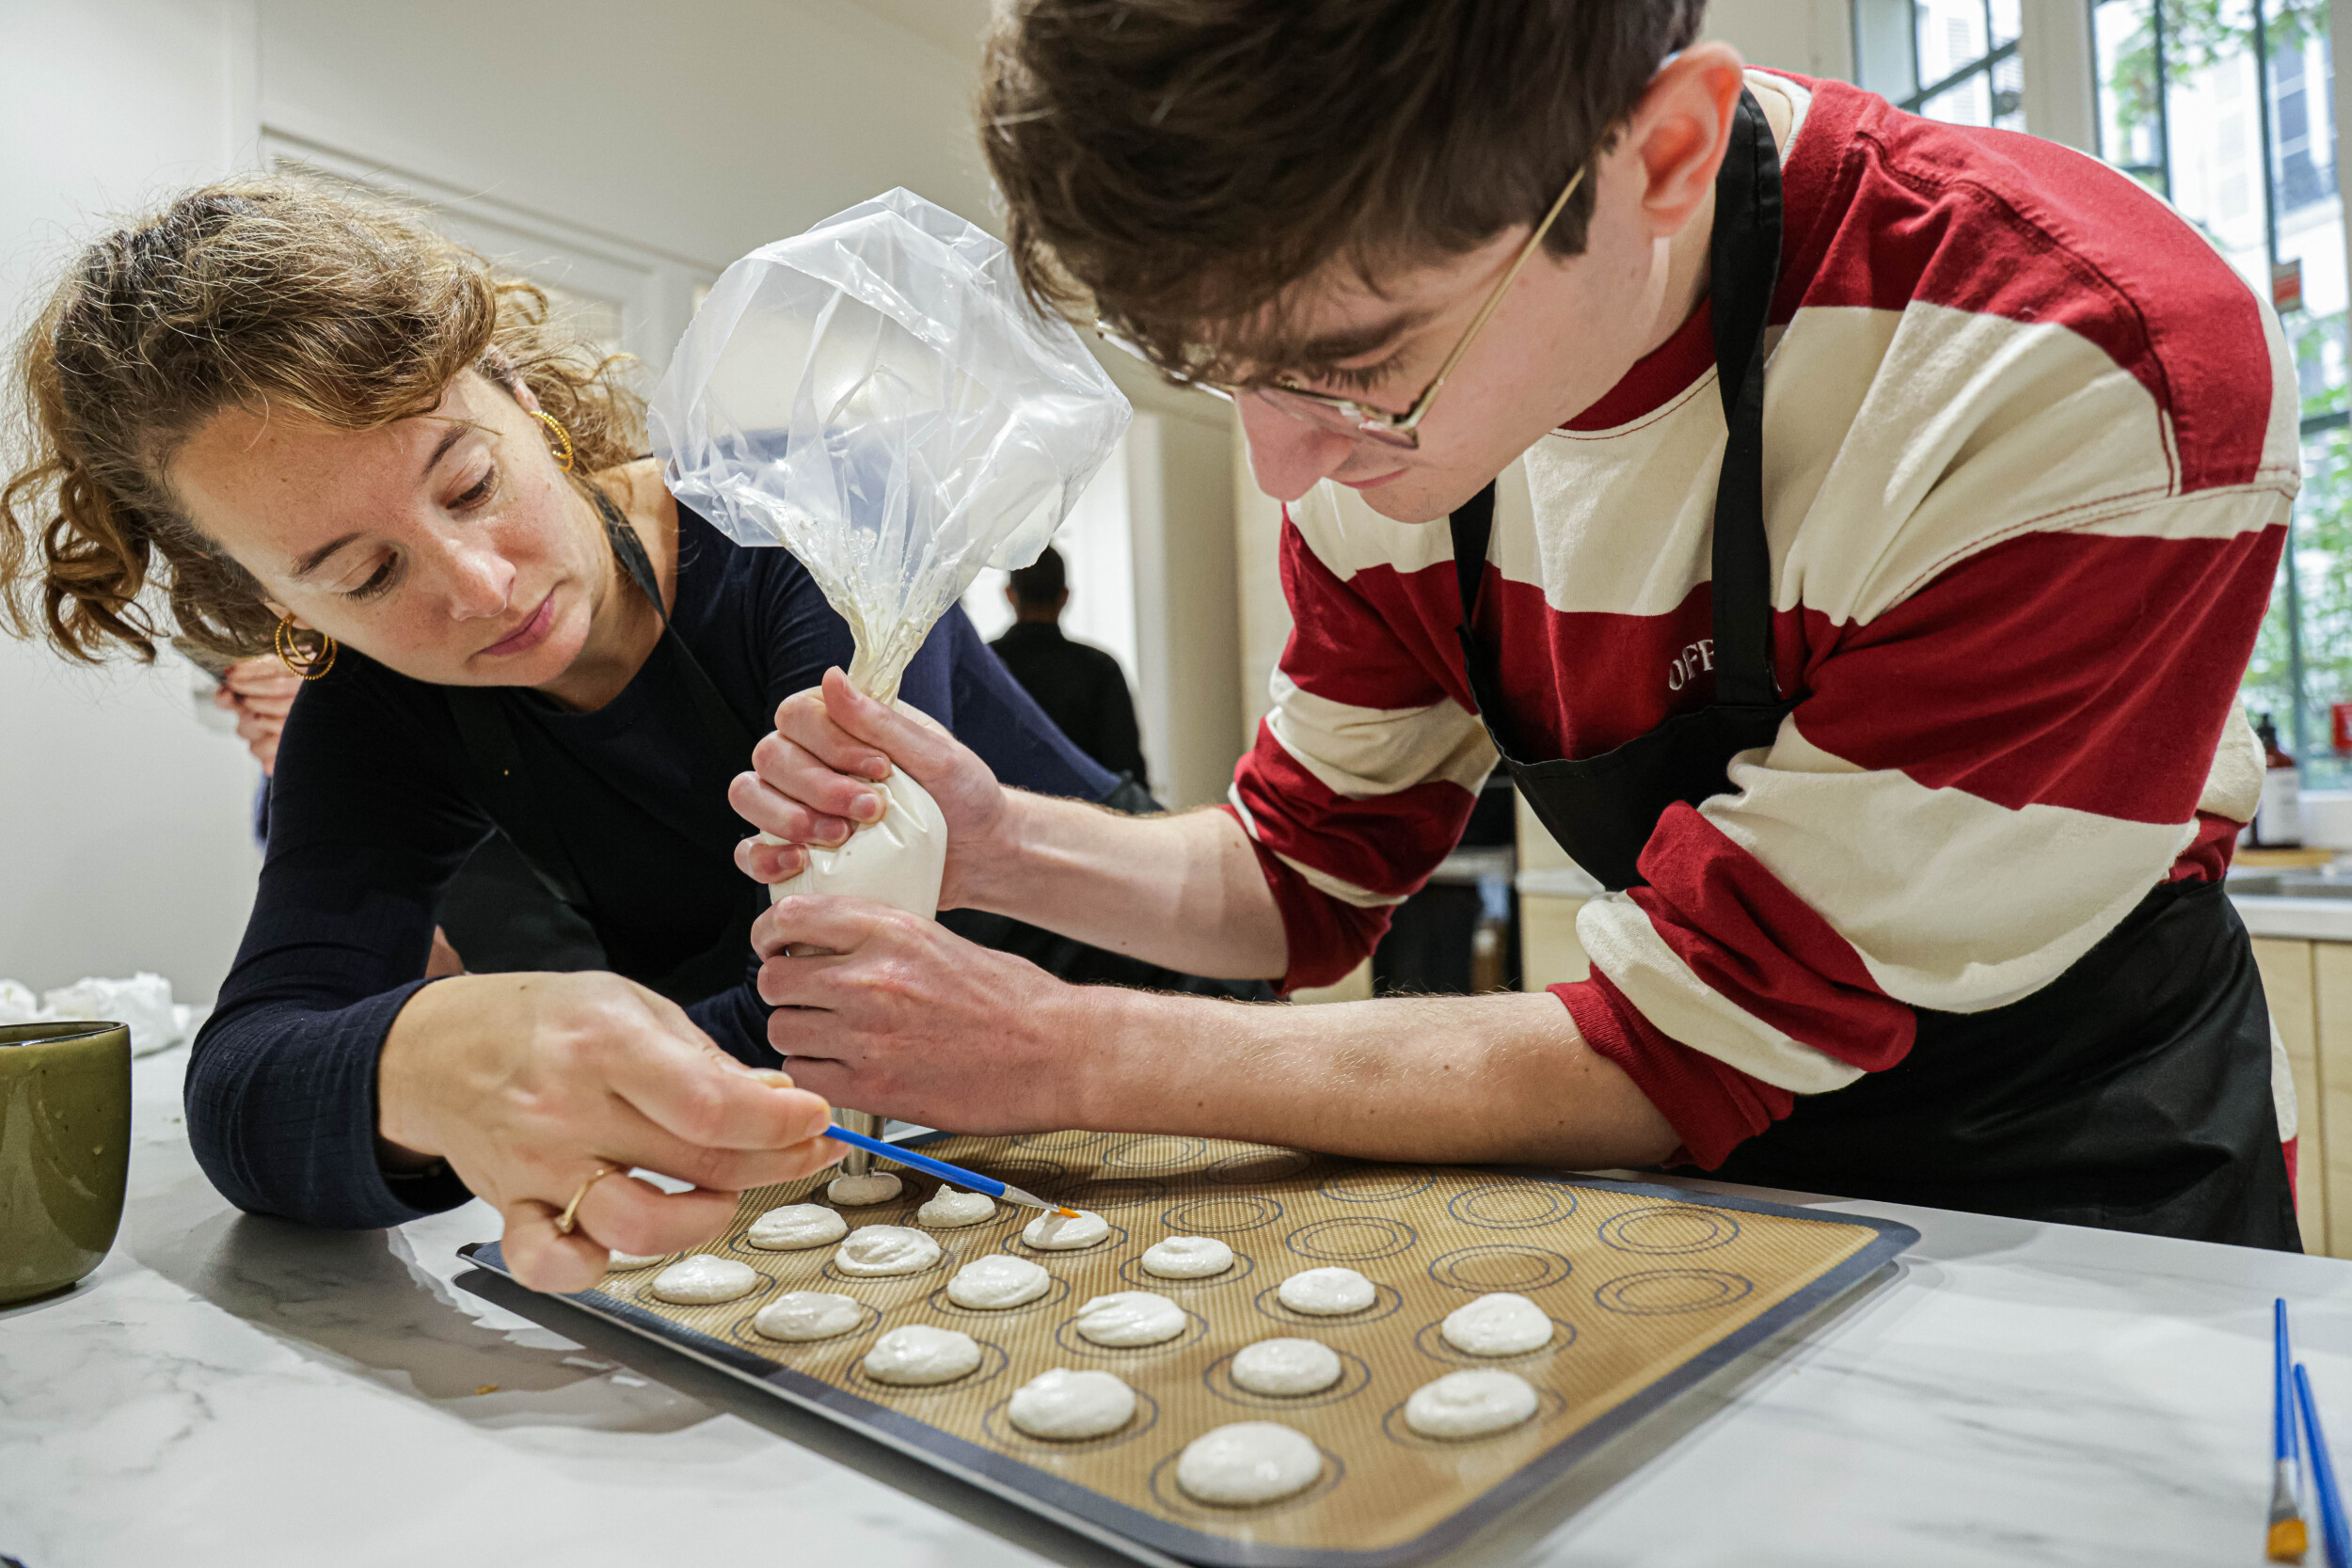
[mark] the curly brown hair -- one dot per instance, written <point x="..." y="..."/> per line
<point x="1177" y="164"/>
<point x="280" y="293"/>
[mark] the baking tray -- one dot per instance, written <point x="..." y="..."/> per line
<point x="1651" y="1290"/>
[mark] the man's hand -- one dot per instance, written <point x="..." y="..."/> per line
<point x="811" y="784"/>
<point x="529" y="1084"/>
<point x="894" y="1013"/>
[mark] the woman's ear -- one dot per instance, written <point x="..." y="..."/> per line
<point x="499" y="368"/>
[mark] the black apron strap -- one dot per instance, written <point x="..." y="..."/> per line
<point x="520" y="808"/>
<point x="1744" y="265"/>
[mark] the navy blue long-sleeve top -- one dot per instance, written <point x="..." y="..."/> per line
<point x="375" y="803"/>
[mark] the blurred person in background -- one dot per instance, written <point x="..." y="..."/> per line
<point x="1081" y="688"/>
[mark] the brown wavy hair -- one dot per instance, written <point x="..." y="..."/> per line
<point x="281" y="293"/>
<point x="1176" y="166"/>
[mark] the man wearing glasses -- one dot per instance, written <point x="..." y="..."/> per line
<point x="1848" y="529"/>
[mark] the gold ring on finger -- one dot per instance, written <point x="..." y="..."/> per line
<point x="569" y="1219"/>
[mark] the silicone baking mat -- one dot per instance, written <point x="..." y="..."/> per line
<point x="1650" y="1288"/>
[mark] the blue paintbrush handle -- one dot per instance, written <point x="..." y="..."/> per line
<point x="2332" y="1522"/>
<point x="2282" y="1392"/>
<point x="971" y="1179"/>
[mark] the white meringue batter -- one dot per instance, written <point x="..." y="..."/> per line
<point x="1501" y="1324"/>
<point x="1326" y="1292"/>
<point x="856" y="1191"/>
<point x="1187" y="1258"/>
<point x="1248" y="1462"/>
<point x="1130" y="1318"/>
<point x="1286" y="1366"/>
<point x="1066" y="1405"/>
<point x="699" y="1280"/>
<point x="997" y="1281"/>
<point x="800" y="1315"/>
<point x="797" y="1226"/>
<point x="881" y="1249"/>
<point x="919" y="1354"/>
<point x="949" y="1210"/>
<point x="621" y="1260"/>
<point x="1058" y="1233"/>
<point x="1471" y="1403"/>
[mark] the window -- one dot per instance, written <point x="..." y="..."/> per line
<point x="1948" y="59"/>
<point x="2226" y="107"/>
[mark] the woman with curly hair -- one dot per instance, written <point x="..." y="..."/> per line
<point x="308" y="424"/>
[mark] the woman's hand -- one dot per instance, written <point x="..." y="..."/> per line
<point x="894" y="1013"/>
<point x="261" y="693"/>
<point x="811" y="784"/>
<point x="529" y="1084"/>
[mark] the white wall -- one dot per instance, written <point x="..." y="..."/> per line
<point x="660" y="142"/>
<point x="1814" y="37"/>
<point x="124" y="835"/>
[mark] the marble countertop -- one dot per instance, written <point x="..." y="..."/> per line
<point x="235" y="1391"/>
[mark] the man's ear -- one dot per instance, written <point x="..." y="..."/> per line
<point x="1679" y="132"/>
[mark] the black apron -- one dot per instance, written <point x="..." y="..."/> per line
<point x="2133" y="1092"/>
<point x="525" y="807"/>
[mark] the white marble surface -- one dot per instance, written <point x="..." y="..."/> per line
<point x="240" y="1391"/>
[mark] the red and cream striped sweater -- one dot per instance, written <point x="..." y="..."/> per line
<point x="2029" y="448"/>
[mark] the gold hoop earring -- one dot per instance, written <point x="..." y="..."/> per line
<point x="310" y="663"/>
<point x="560" y="440"/>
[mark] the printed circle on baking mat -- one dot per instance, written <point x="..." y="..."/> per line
<point x="992" y="1364"/>
<point x="1500" y="1266"/>
<point x="1353" y="1240"/>
<point x="1001" y="1430"/>
<point x="1172" y="1499"/>
<point x="1065" y="1335"/>
<point x="642" y="1292"/>
<point x="1383" y="1301"/>
<point x="1135" y="1273"/>
<point x="1666" y="1229"/>
<point x="1104" y="1192"/>
<point x="1031" y="1174"/>
<point x="1658" y="1291"/>
<point x="1155" y="1153"/>
<point x="1512" y="1205"/>
<point x="1057" y="1292"/>
<point x="1258" y="1166"/>
<point x="1069" y="1138"/>
<point x="1355" y="1377"/>
<point x="1430" y="1340"/>
<point x="1222" y="1215"/>
<point x="1375" y="1186"/>
<point x="1019" y="1248"/>
<point x="1549" y="1407"/>
<point x="741" y="1332"/>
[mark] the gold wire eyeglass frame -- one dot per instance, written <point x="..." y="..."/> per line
<point x="1345" y="414"/>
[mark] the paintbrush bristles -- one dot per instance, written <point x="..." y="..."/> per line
<point x="2288" y="1540"/>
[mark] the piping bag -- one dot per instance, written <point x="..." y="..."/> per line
<point x="878" y="396"/>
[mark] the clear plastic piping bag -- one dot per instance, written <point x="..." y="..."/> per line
<point x="878" y="396"/>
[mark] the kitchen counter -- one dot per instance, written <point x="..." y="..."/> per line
<point x="228" y="1389"/>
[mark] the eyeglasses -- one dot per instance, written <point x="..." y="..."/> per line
<point x="1345" y="416"/>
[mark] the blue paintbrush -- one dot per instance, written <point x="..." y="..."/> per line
<point x="2289" y="1539"/>
<point x="970" y="1180"/>
<point x="2332" y="1522"/>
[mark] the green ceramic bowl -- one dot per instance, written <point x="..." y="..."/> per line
<point x="65" y="1150"/>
